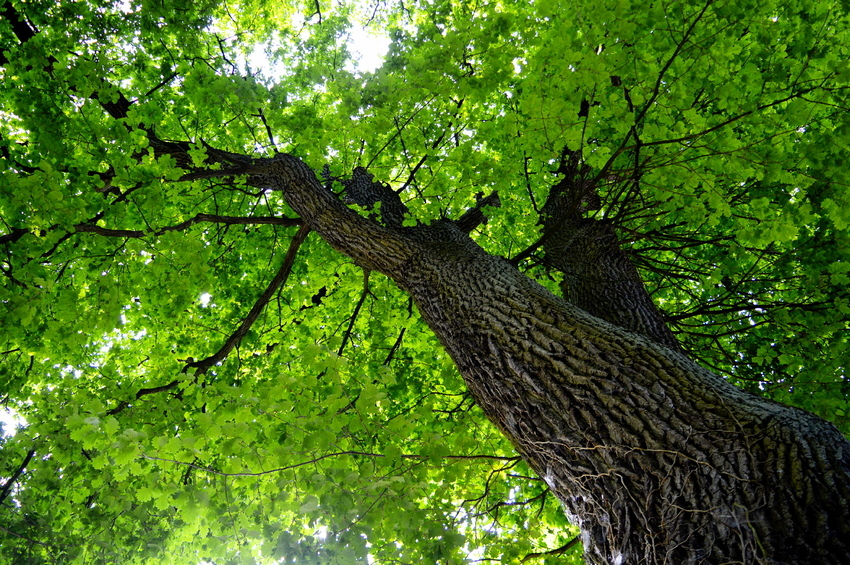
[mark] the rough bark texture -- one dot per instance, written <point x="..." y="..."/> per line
<point x="598" y="276"/>
<point x="656" y="459"/>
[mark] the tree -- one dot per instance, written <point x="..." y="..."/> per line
<point x="627" y="227"/>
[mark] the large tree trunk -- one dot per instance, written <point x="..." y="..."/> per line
<point x="655" y="458"/>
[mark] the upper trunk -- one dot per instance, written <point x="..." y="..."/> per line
<point x="598" y="276"/>
<point x="656" y="459"/>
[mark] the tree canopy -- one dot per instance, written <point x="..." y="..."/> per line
<point x="203" y="377"/>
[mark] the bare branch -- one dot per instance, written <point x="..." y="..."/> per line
<point x="321" y="457"/>
<point x="412" y="174"/>
<point x="395" y="347"/>
<point x="212" y="218"/>
<point x="347" y="335"/>
<point x="279" y="279"/>
<point x="142" y="392"/>
<point x="262" y="117"/>
<point x="559" y="551"/>
<point x="7" y="486"/>
<point x="474" y="217"/>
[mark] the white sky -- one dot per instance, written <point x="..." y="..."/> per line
<point x="9" y="421"/>
<point x="368" y="48"/>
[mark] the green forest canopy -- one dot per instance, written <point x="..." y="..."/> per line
<point x="336" y="428"/>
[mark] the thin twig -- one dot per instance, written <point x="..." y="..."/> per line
<point x="321" y="457"/>
<point x="142" y="392"/>
<point x="395" y="347"/>
<point x="262" y="117"/>
<point x="347" y="335"/>
<point x="412" y="175"/>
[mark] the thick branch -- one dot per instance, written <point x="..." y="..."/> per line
<point x="598" y="275"/>
<point x="371" y="245"/>
<point x="474" y="217"/>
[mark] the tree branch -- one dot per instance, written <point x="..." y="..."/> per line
<point x="319" y="458"/>
<point x="412" y="174"/>
<point x="279" y="279"/>
<point x="474" y="217"/>
<point x="262" y="117"/>
<point x="559" y="551"/>
<point x="142" y="392"/>
<point x="7" y="486"/>
<point x="239" y="220"/>
<point x="347" y="334"/>
<point x="395" y="347"/>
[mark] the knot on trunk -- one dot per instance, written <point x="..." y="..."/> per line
<point x="574" y="194"/>
<point x="363" y="190"/>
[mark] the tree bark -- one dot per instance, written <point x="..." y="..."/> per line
<point x="598" y="275"/>
<point x="655" y="458"/>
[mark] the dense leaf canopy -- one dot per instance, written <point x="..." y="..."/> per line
<point x="173" y="409"/>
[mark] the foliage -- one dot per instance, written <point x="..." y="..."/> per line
<point x="337" y="428"/>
